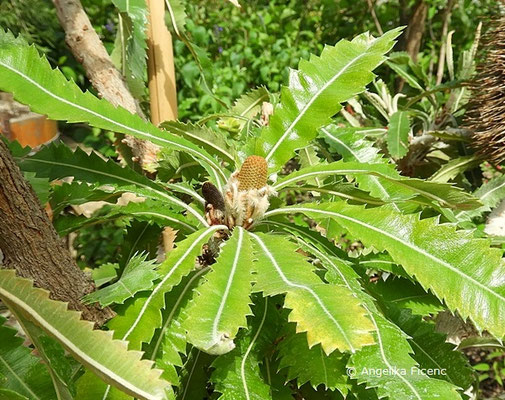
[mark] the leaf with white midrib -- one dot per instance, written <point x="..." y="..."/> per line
<point x="148" y="210"/>
<point x="490" y="194"/>
<point x="61" y="367"/>
<point x="177" y="15"/>
<point x="20" y="370"/>
<point x="311" y="364"/>
<point x="171" y="342"/>
<point x="57" y="161"/>
<point x="316" y="91"/>
<point x="138" y="275"/>
<point x="132" y="23"/>
<point x="222" y="304"/>
<point x="391" y="350"/>
<point x="431" y="348"/>
<point x="249" y="104"/>
<point x="141" y="318"/>
<point x="446" y="261"/>
<point x="317" y="308"/>
<point x="212" y="141"/>
<point x="352" y="147"/>
<point x="398" y="188"/>
<point x="111" y="360"/>
<point x="32" y="81"/>
<point x="455" y="167"/>
<point x="398" y="134"/>
<point x="237" y="374"/>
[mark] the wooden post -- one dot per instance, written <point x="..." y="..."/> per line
<point x="160" y="65"/>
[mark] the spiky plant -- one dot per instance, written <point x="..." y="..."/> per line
<point x="486" y="109"/>
<point x="259" y="299"/>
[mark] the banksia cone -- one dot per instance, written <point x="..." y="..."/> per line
<point x="213" y="196"/>
<point x="486" y="109"/>
<point x="253" y="174"/>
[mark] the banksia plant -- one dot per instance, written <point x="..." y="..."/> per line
<point x="486" y="109"/>
<point x="259" y="298"/>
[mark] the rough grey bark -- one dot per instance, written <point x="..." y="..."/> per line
<point x="31" y="246"/>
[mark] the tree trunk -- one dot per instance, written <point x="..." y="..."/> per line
<point x="31" y="246"/>
<point x="411" y="40"/>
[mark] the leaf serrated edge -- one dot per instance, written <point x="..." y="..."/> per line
<point x="73" y="348"/>
<point x="161" y="138"/>
<point x="306" y="288"/>
<point x="407" y="244"/>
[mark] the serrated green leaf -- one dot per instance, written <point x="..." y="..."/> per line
<point x="316" y="91"/>
<point x="454" y="167"/>
<point x="140" y="237"/>
<point x="139" y="274"/>
<point x="389" y="367"/>
<point x="431" y="350"/>
<point x="446" y="261"/>
<point x="149" y="210"/>
<point x="312" y="365"/>
<point x="57" y="161"/>
<point x="170" y="342"/>
<point x="89" y="387"/>
<point x="335" y="168"/>
<point x="387" y="364"/>
<point x="490" y="194"/>
<point x="285" y="225"/>
<point x="401" y="71"/>
<point x="176" y="19"/>
<point x="6" y="394"/>
<point x="176" y="15"/>
<point x="237" y="374"/>
<point x="356" y="131"/>
<point x="132" y="40"/>
<point x="397" y="138"/>
<point x="317" y="308"/>
<point x="77" y="193"/>
<point x="402" y="293"/>
<point x="344" y="190"/>
<point x="194" y="376"/>
<point x="32" y="81"/>
<point x="249" y="104"/>
<point x="353" y="147"/>
<point x="220" y="309"/>
<point x="23" y="372"/>
<point x="111" y="361"/>
<point x="212" y="141"/>
<point x="241" y="117"/>
<point x="398" y="188"/>
<point x="308" y="158"/>
<point x="381" y="262"/>
<point x="61" y="367"/>
<point x="104" y="273"/>
<point x="138" y="322"/>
